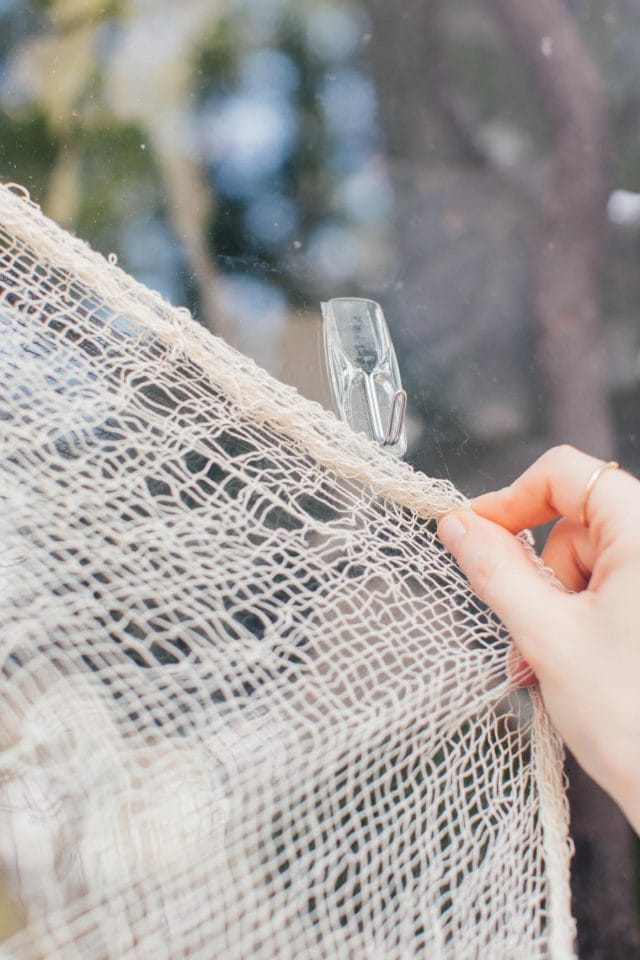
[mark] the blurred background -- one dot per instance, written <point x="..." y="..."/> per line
<point x="475" y="167"/>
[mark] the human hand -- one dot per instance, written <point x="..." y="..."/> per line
<point x="583" y="645"/>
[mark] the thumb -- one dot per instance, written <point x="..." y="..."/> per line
<point x="502" y="573"/>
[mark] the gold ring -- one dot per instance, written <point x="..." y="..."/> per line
<point x="590" y="484"/>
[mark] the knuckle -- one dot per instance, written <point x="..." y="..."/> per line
<point x="562" y="451"/>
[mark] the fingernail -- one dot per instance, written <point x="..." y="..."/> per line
<point x="451" y="530"/>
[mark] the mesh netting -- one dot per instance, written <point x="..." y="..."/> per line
<point x="249" y="707"/>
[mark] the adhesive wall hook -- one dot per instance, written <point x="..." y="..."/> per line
<point x="363" y="371"/>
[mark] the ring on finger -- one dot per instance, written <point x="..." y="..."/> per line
<point x="590" y="484"/>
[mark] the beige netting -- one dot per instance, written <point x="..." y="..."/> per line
<point x="249" y="707"/>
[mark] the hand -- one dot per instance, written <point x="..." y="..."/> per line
<point x="583" y="644"/>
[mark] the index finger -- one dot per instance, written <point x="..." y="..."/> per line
<point x="555" y="486"/>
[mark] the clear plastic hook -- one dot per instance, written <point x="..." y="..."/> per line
<point x="363" y="371"/>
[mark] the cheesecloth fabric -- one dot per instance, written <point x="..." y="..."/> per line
<point x="249" y="707"/>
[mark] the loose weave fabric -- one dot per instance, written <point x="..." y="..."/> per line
<point x="250" y="708"/>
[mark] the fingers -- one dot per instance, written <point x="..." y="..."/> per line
<point x="555" y="486"/>
<point x="571" y="554"/>
<point x="519" y="670"/>
<point x="503" y="575"/>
